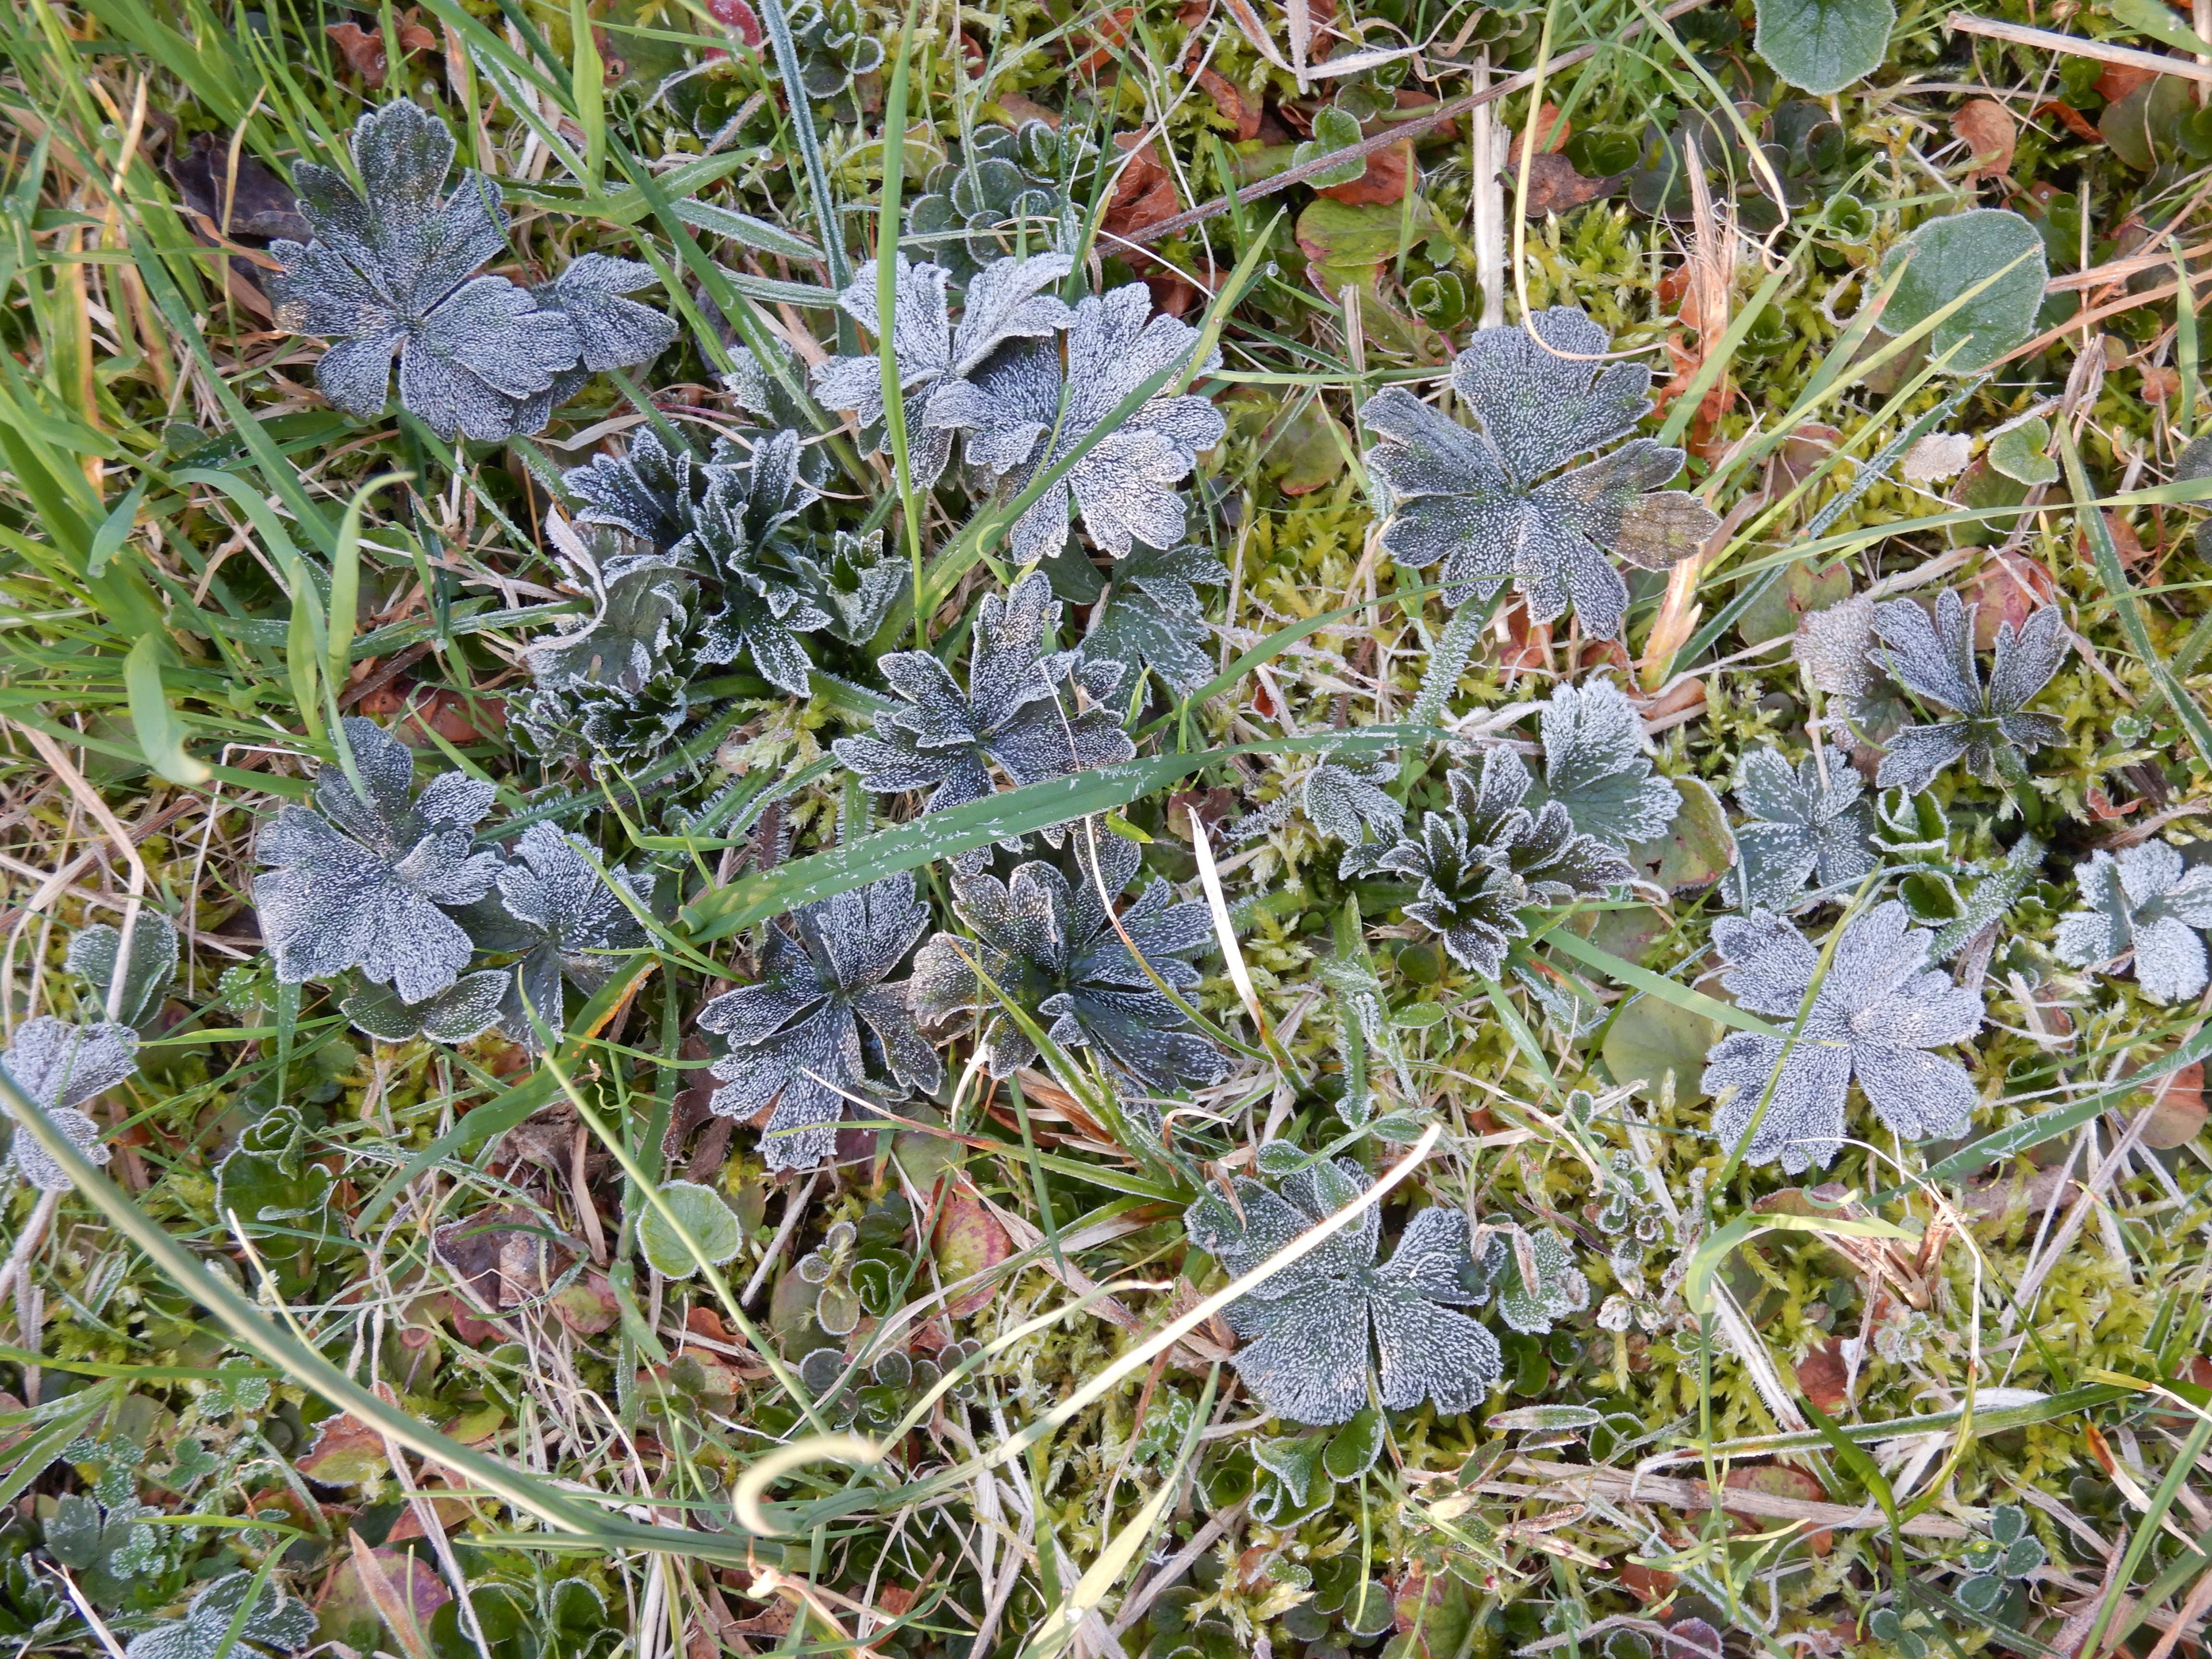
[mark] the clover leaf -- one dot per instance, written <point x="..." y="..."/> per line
<point x="1595" y="765"/>
<point x="61" y="1067"/>
<point x="1494" y="504"/>
<point x="2010" y="1551"/>
<point x="368" y="884"/>
<point x="1151" y="616"/>
<point x="1934" y="658"/>
<point x="1299" y="1474"/>
<point x="148" y="970"/>
<point x="1313" y="1328"/>
<point x="820" y="1025"/>
<point x="1876" y="1015"/>
<point x="275" y="1621"/>
<point x="1024" y="414"/>
<point x="2147" y="902"/>
<point x="1004" y="302"/>
<point x="1804" y="824"/>
<point x="391" y="273"/>
<point x="1334" y="130"/>
<point x="1488" y="859"/>
<point x="1031" y="712"/>
<point x="1045" y="945"/>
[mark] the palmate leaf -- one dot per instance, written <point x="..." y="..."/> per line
<point x="275" y="1620"/>
<point x="1802" y="825"/>
<point x="637" y="615"/>
<point x="62" y="1067"/>
<point x="565" y="920"/>
<point x="1495" y="504"/>
<point x="1595" y="765"/>
<point x="856" y="586"/>
<point x="1152" y="616"/>
<point x="1004" y="302"/>
<point x="1023" y="414"/>
<point x="1933" y="658"/>
<point x="742" y="543"/>
<point x="367" y="882"/>
<point x="1314" y="1328"/>
<point x="393" y="273"/>
<point x="1031" y="712"/>
<point x="2147" y="902"/>
<point x="1878" y="1012"/>
<point x="1488" y="859"/>
<point x="1044" y="943"/>
<point x="820" y="1024"/>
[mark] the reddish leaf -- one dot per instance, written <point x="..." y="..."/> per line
<point x="1986" y="128"/>
<point x="968" y="1241"/>
<point x="1824" y="1377"/>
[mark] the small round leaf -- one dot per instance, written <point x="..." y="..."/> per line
<point x="1948" y="257"/>
<point x="711" y="1223"/>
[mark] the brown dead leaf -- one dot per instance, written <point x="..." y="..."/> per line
<point x="2119" y="80"/>
<point x="1553" y="129"/>
<point x="2009" y="587"/>
<point x="1110" y="31"/>
<point x="1144" y="194"/>
<point x="2177" y="1110"/>
<point x="1986" y="128"/>
<point x="1388" y="172"/>
<point x="1824" y="1377"/>
<point x="2074" y="121"/>
<point x="1781" y="1480"/>
<point x="1554" y="187"/>
<point x="1233" y="104"/>
<point x="346" y="1451"/>
<point x="363" y="50"/>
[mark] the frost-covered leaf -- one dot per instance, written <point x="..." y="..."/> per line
<point x="1489" y="858"/>
<point x="636" y="614"/>
<point x="612" y="331"/>
<point x="1595" y="765"/>
<point x="1494" y="504"/>
<point x="1821" y="46"/>
<point x="390" y="274"/>
<point x="1023" y="414"/>
<point x="2017" y="453"/>
<point x="150" y="970"/>
<point x="1347" y="799"/>
<point x="61" y="1067"/>
<point x="565" y="920"/>
<point x="467" y="1008"/>
<point x="650" y="491"/>
<point x="1832" y="646"/>
<point x="856" y="586"/>
<point x="1878" y="1012"/>
<point x="275" y="1621"/>
<point x="1540" y="1284"/>
<point x="700" y="1211"/>
<point x="1004" y="301"/>
<point x="2145" y="900"/>
<point x="1802" y="825"/>
<point x="1153" y="617"/>
<point x="820" y="1025"/>
<point x="1313" y="1330"/>
<point x="1031" y="712"/>
<point x="1949" y="257"/>
<point x="1044" y="943"/>
<point x="1935" y="660"/>
<point x="1333" y="129"/>
<point x="366" y="883"/>
<point x="739" y="545"/>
